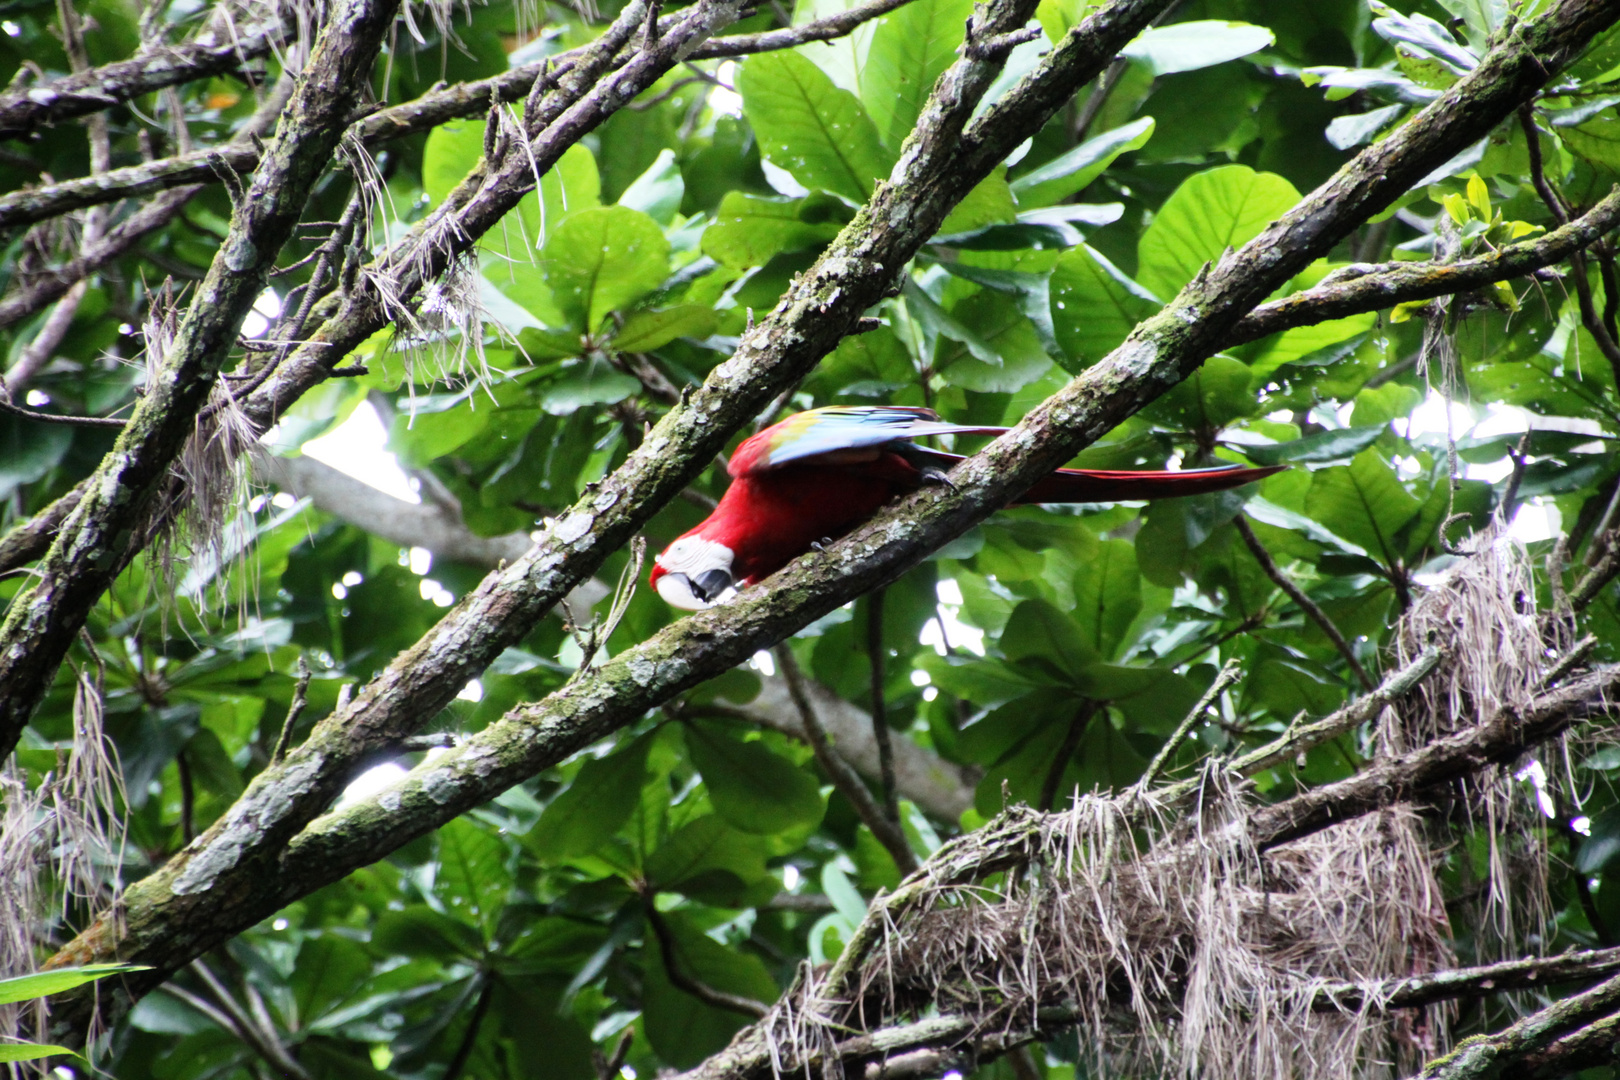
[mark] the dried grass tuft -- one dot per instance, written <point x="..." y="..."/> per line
<point x="1484" y="610"/>
<point x="1170" y="941"/>
<point x="61" y="849"/>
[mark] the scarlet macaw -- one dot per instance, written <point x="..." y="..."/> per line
<point x="818" y="474"/>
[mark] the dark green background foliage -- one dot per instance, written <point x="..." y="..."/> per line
<point x="516" y="940"/>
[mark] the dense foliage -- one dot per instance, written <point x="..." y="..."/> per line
<point x="655" y="884"/>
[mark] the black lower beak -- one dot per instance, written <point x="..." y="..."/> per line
<point x="710" y="584"/>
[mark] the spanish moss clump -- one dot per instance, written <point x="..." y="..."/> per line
<point x="442" y="337"/>
<point x="61" y="849"/>
<point x="198" y="518"/>
<point x="1168" y="939"/>
<point x="1484" y="613"/>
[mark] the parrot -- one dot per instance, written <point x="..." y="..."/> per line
<point x="818" y="474"/>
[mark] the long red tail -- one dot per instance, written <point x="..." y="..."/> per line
<point x="1122" y="485"/>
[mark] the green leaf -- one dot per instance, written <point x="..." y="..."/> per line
<point x="438" y="425"/>
<point x="330" y="971"/>
<point x="538" y="344"/>
<point x="753" y="788"/>
<point x="571" y="185"/>
<point x="29" y="1051"/>
<point x="750" y="230"/>
<point x="987" y="683"/>
<point x="1210" y="212"/>
<point x="472" y="878"/>
<point x="1287" y="686"/>
<point x="46" y="983"/>
<point x="1317" y="449"/>
<point x="1363" y="502"/>
<point x="585" y="814"/>
<point x="1210" y="398"/>
<point x="1041" y="632"/>
<point x="658" y="191"/>
<point x="591" y="381"/>
<point x="989" y="203"/>
<point x="1094" y="306"/>
<point x="709" y="858"/>
<point x="1601" y="848"/>
<point x="811" y="128"/>
<point x="29" y="450"/>
<point x="418" y="930"/>
<point x="451" y="152"/>
<point x="1074" y="170"/>
<point x="910" y="48"/>
<point x="1165" y="50"/>
<point x="1597" y="140"/>
<point x="603" y="259"/>
<point x="1173" y="528"/>
<point x="1107" y="595"/>
<point x="649" y="329"/>
<point x="996" y="320"/>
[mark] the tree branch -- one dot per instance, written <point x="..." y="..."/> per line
<point x="1354" y="290"/>
<point x="46" y="287"/>
<point x="941" y="788"/>
<point x="179" y="905"/>
<point x="681" y="980"/>
<point x="95" y="541"/>
<point x="840" y="772"/>
<point x="1303" y="602"/>
<point x="218" y="49"/>
<point x="469" y="99"/>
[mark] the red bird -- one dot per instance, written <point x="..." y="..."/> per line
<point x="818" y="474"/>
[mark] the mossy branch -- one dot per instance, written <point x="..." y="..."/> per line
<point x="213" y="889"/>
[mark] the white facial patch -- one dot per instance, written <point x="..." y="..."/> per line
<point x="689" y="559"/>
<point x="693" y="556"/>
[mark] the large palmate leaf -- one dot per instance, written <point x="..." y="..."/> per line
<point x="1094" y="306"/>
<point x="910" y="47"/>
<point x="811" y="128"/>
<point x="603" y="259"/>
<point x="1214" y="210"/>
<point x="1364" y="502"/>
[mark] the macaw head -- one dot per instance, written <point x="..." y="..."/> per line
<point x="694" y="573"/>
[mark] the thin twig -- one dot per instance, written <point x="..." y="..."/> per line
<point x="264" y="1040"/>
<point x="880" y="721"/>
<point x="1065" y="753"/>
<point x="53" y="418"/>
<point x="1229" y="674"/>
<point x="679" y="979"/>
<point x="1599" y="574"/>
<point x="1297" y="595"/>
<point x="1590" y="319"/>
<point x="608" y="1066"/>
<point x="475" y="1023"/>
<point x="841" y="772"/>
<point x="294" y="710"/>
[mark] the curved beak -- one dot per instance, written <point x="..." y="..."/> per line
<point x="689" y="594"/>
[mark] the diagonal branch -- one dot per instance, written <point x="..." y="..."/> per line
<point x="216" y="50"/>
<point x="841" y="772"/>
<point x="469" y="99"/>
<point x="44" y="288"/>
<point x="1353" y="290"/>
<point x="96" y="539"/>
<point x="1303" y="602"/>
<point x="178" y="906"/>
